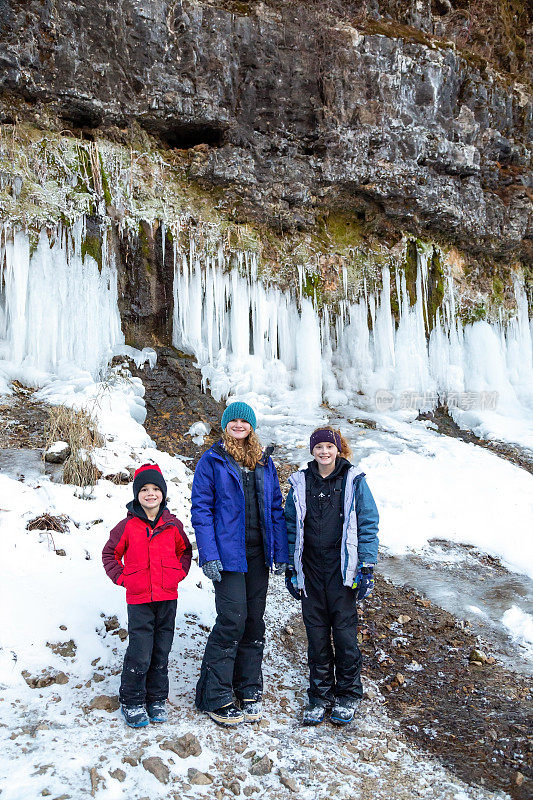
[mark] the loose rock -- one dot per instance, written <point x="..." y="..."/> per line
<point x="104" y="702"/>
<point x="157" y="768"/>
<point x="184" y="746"/>
<point x="133" y="758"/>
<point x="198" y="778"/>
<point x="46" y="679"/>
<point x="118" y="774"/>
<point x="57" y="453"/>
<point x="287" y="781"/>
<point x="261" y="767"/>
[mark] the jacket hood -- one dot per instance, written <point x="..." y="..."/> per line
<point x="342" y="465"/>
<point x="135" y="509"/>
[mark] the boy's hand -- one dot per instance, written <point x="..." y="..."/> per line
<point x="364" y="581"/>
<point x="291" y="582"/>
<point x="279" y="568"/>
<point x="212" y="570"/>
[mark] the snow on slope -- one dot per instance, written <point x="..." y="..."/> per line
<point x="50" y="741"/>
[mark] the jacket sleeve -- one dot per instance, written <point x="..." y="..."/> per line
<point x="183" y="548"/>
<point x="203" y="511"/>
<point x="281" y="545"/>
<point x="290" y="519"/>
<point x="113" y="552"/>
<point x="367" y="524"/>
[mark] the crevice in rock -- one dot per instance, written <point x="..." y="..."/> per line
<point x="188" y="135"/>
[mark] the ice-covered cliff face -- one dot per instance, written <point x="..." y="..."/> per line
<point x="301" y="106"/>
<point x="387" y="349"/>
<point x="287" y="357"/>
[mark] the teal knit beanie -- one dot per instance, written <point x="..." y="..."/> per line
<point x="238" y="411"/>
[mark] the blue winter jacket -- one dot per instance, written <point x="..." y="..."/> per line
<point x="359" y="543"/>
<point x="218" y="514"/>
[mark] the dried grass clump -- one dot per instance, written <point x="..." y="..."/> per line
<point x="47" y="522"/>
<point x="79" y="429"/>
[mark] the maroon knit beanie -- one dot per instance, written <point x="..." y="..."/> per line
<point x="324" y="435"/>
<point x="148" y="473"/>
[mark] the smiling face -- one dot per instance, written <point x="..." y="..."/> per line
<point x="238" y="428"/>
<point x="325" y="454"/>
<point x="150" y="498"/>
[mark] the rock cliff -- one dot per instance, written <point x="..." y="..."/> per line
<point x="414" y="117"/>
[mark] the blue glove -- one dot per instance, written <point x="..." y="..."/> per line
<point x="364" y="581"/>
<point x="279" y="568"/>
<point x="212" y="570"/>
<point x="291" y="582"/>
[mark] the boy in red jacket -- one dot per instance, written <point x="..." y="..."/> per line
<point x="149" y="554"/>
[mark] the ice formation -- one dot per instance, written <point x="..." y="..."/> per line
<point x="57" y="306"/>
<point x="251" y="338"/>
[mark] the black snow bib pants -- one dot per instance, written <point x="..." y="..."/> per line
<point x="233" y="655"/>
<point x="329" y="610"/>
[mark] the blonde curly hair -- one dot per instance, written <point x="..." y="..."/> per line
<point x="247" y="452"/>
<point x="345" y="451"/>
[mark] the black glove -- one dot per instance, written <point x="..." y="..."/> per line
<point x="212" y="570"/>
<point x="291" y="582"/>
<point x="364" y="582"/>
<point x="280" y="567"/>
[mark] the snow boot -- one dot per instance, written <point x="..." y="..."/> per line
<point x="313" y="714"/>
<point x="135" y="716"/>
<point x="227" y="716"/>
<point x="344" y="712"/>
<point x="157" y="711"/>
<point x="252" y="710"/>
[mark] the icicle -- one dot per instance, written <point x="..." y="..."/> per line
<point x="58" y="306"/>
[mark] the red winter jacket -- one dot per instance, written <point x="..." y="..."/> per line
<point x="149" y="563"/>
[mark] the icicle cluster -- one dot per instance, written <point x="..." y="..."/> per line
<point x="252" y="338"/>
<point x="56" y="306"/>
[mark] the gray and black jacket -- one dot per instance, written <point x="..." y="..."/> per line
<point x="359" y="542"/>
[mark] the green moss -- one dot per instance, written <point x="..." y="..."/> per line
<point x="311" y="288"/>
<point x="435" y="286"/>
<point x="410" y="267"/>
<point x="91" y="245"/>
<point x="105" y="183"/>
<point x="497" y="290"/>
<point x="339" y="231"/>
<point x="473" y="314"/>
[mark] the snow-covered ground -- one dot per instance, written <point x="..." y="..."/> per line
<point x="425" y="486"/>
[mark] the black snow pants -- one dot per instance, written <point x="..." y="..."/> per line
<point x="145" y="670"/>
<point x="330" y="610"/>
<point x="234" y="650"/>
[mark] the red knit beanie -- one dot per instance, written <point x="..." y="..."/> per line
<point x="148" y="473"/>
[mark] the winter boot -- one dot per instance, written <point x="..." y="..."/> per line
<point x="157" y="711"/>
<point x="313" y="714"/>
<point x="252" y="710"/>
<point x="227" y="716"/>
<point x="343" y="711"/>
<point x="135" y="716"/>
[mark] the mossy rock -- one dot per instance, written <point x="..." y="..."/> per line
<point x="91" y="245"/>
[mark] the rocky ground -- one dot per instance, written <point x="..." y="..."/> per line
<point x="520" y="456"/>
<point x="442" y="719"/>
<point x="440" y="682"/>
<point x="395" y="747"/>
<point x="175" y="401"/>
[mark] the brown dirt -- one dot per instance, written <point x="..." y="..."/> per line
<point x="175" y="401"/>
<point x="23" y="420"/>
<point x="477" y="720"/>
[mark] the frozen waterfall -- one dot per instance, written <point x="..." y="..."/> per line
<point x="57" y="306"/>
<point x="255" y="340"/>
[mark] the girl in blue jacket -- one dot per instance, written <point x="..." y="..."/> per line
<point x="332" y="525"/>
<point x="238" y="520"/>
